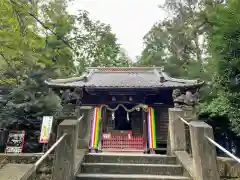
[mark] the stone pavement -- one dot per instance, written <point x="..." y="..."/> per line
<point x="14" y="171"/>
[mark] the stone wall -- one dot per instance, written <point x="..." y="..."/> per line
<point x="44" y="172"/>
<point x="228" y="168"/>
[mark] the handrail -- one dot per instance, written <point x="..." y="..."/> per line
<point x="223" y="149"/>
<point x="183" y="120"/>
<point x="54" y="146"/>
<point x="215" y="143"/>
<point x="50" y="150"/>
<point x="80" y="118"/>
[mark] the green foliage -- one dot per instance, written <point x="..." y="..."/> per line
<point x="225" y="62"/>
<point x="30" y="53"/>
<point x="27" y="103"/>
<point x="201" y="39"/>
<point x="173" y="42"/>
<point x="95" y="44"/>
<point x="56" y="17"/>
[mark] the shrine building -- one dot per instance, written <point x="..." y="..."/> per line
<point x="130" y="105"/>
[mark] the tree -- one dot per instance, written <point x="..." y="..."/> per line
<point x="17" y="46"/>
<point x="178" y="41"/>
<point x="40" y="40"/>
<point x="95" y="44"/>
<point x="30" y="57"/>
<point x="225" y="61"/>
<point x="123" y="60"/>
<point x="54" y="15"/>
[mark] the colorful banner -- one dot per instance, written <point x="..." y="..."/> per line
<point x="151" y="129"/>
<point x="95" y="128"/>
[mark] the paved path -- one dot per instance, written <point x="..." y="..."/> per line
<point x="14" y="171"/>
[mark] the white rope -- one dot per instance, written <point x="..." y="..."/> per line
<point x="143" y="106"/>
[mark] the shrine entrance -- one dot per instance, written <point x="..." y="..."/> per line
<point x="123" y="119"/>
<point x="122" y="129"/>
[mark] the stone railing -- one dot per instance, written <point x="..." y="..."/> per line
<point x="202" y="164"/>
<point x="65" y="154"/>
<point x="65" y="148"/>
<point x="69" y="149"/>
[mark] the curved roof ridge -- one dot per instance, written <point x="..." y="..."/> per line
<point x="169" y="78"/>
<point x="124" y="68"/>
<point x="66" y="80"/>
<point x="69" y="80"/>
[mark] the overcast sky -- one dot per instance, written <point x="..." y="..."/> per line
<point x="129" y="19"/>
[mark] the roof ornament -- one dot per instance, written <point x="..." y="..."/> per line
<point x="162" y="79"/>
<point x="162" y="69"/>
<point x="160" y="75"/>
<point x="85" y="77"/>
<point x="187" y="98"/>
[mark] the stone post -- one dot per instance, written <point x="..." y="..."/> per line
<point x="203" y="152"/>
<point x="177" y="138"/>
<point x="189" y="114"/>
<point x="84" y="126"/>
<point x="64" y="162"/>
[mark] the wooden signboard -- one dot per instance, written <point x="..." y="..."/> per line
<point x="15" y="142"/>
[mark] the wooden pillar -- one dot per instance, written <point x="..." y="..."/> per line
<point x="64" y="162"/>
<point x="203" y="152"/>
<point x="144" y="116"/>
<point x="177" y="136"/>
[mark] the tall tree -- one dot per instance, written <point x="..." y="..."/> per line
<point x="95" y="43"/>
<point x="54" y="15"/>
<point x="178" y="41"/>
<point x="225" y="61"/>
<point x="39" y="40"/>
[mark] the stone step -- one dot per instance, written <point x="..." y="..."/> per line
<point x="128" y="177"/>
<point x="130" y="158"/>
<point x="115" y="168"/>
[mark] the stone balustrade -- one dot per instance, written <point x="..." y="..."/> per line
<point x="202" y="165"/>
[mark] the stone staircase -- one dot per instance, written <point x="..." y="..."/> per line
<point x="103" y="166"/>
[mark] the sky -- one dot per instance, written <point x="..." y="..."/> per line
<point x="130" y="19"/>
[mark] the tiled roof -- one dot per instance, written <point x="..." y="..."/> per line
<point x="135" y="77"/>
